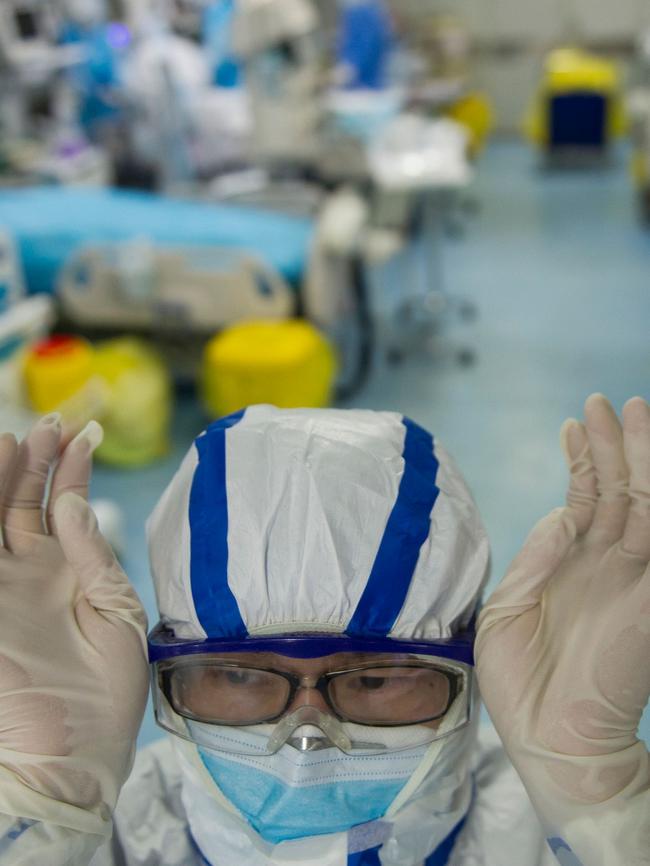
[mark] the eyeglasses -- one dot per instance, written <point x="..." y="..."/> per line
<point x="223" y="692"/>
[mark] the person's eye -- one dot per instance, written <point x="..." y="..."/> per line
<point x="239" y="678"/>
<point x="372" y="684"/>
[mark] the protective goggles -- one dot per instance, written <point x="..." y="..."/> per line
<point x="314" y="693"/>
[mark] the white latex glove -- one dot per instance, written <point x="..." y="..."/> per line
<point x="563" y="649"/>
<point x="73" y="669"/>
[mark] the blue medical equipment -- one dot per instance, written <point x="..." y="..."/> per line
<point x="217" y="38"/>
<point x="365" y="43"/>
<point x="98" y="78"/>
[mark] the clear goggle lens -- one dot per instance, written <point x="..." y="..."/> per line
<point x="421" y="698"/>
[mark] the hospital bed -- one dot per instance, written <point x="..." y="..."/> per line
<point x="119" y="261"/>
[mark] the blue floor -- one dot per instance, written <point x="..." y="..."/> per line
<point x="560" y="272"/>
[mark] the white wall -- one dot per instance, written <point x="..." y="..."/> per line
<point x="511" y="37"/>
<point x="540" y="19"/>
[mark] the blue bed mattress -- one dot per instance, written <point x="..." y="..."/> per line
<point x="50" y="223"/>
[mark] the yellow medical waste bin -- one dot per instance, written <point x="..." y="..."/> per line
<point x="56" y="369"/>
<point x="474" y="112"/>
<point x="288" y="364"/>
<point x="137" y="414"/>
<point x="564" y="111"/>
<point x="122" y="383"/>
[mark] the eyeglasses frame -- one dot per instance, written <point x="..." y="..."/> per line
<point x="321" y="685"/>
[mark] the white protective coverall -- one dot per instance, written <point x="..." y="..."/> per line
<point x="303" y="521"/>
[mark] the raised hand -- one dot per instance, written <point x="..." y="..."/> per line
<point x="73" y="669"/>
<point x="563" y="650"/>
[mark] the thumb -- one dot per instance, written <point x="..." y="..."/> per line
<point x="102" y="581"/>
<point x="533" y="567"/>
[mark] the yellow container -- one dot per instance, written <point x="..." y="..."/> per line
<point x="122" y="383"/>
<point x="137" y="415"/>
<point x="288" y="364"/>
<point x="56" y="369"/>
<point x="474" y="112"/>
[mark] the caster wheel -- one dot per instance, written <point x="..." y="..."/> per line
<point x="466" y="357"/>
<point x="468" y="311"/>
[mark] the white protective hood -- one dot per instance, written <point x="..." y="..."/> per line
<point x="334" y="521"/>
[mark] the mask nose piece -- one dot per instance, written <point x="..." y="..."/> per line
<point x="309" y="740"/>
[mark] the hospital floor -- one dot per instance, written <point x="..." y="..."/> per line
<point x="559" y="270"/>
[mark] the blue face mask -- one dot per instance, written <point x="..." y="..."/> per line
<point x="294" y="794"/>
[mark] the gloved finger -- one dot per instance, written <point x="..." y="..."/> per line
<point x="606" y="442"/>
<point x="636" y="438"/>
<point x="102" y="581"/>
<point x="582" y="494"/>
<point x="72" y="474"/>
<point x="25" y="491"/>
<point x="8" y="451"/>
<point x="534" y="566"/>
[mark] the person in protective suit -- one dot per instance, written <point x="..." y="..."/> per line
<point x="321" y="642"/>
